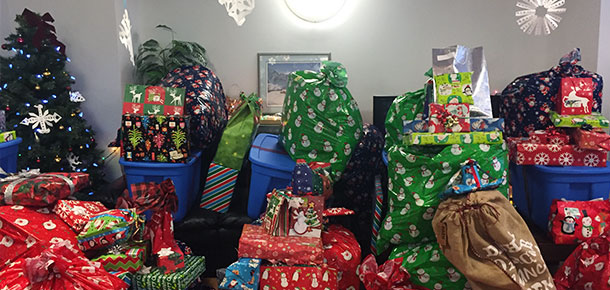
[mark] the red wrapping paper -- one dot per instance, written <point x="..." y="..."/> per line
<point x="305" y="216"/>
<point x="575" y="96"/>
<point x="35" y="189"/>
<point x="522" y="152"/>
<point x="572" y="222"/>
<point x="160" y="229"/>
<point x="256" y="243"/>
<point x="389" y="276"/>
<point x="549" y="136"/>
<point x="59" y="267"/>
<point x="76" y="213"/>
<point x="342" y="252"/>
<point x="587" y="267"/>
<point x="439" y="115"/>
<point x="22" y="229"/>
<point x="593" y="140"/>
<point x="292" y="277"/>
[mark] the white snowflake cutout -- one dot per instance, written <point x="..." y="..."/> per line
<point x="238" y="9"/>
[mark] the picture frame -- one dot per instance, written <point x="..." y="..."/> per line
<point x="274" y="70"/>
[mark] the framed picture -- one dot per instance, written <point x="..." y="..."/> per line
<point x="274" y="70"/>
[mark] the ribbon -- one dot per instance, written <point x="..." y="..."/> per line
<point x="16" y="178"/>
<point x="335" y="73"/>
<point x="44" y="30"/>
<point x="447" y="119"/>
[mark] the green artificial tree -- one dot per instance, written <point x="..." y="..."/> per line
<point x="36" y="92"/>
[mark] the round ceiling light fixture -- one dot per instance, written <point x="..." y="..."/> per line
<point x="315" y="10"/>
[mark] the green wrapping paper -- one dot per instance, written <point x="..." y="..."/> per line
<point x="418" y="174"/>
<point x="321" y="121"/>
<point x="408" y="106"/>
<point x="156" y="280"/>
<point x="453" y="138"/>
<point x="429" y="267"/>
<point x="596" y="120"/>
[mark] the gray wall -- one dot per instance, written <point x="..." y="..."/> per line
<point x="385" y="45"/>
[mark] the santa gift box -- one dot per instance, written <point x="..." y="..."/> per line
<point x="129" y="258"/>
<point x="575" y="96"/>
<point x="256" y="243"/>
<point x="523" y="152"/>
<point x="108" y="228"/>
<point x="23" y="227"/>
<point x="593" y="139"/>
<point x="297" y="277"/>
<point x="153" y="100"/>
<point x="194" y="266"/>
<point x="450" y="118"/>
<point x="76" y="213"/>
<point x="41" y="189"/>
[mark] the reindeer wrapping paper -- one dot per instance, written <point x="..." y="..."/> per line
<point x="418" y="174"/>
<point x="575" y="96"/>
<point x="153" y="100"/>
<point x="155" y="138"/>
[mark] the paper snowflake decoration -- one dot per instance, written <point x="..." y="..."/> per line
<point x="76" y="97"/>
<point x="125" y="35"/>
<point x="238" y="9"/>
<point x="539" y="16"/>
<point x="43" y="120"/>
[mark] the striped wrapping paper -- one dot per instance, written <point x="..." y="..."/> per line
<point x="376" y="213"/>
<point x="219" y="187"/>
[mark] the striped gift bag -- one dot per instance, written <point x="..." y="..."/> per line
<point x="219" y="188"/>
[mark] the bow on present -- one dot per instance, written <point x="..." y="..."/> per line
<point x="150" y="196"/>
<point x="44" y="30"/>
<point x="389" y="276"/>
<point x="449" y="118"/>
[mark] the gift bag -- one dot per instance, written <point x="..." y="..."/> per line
<point x="160" y="230"/>
<point x="572" y="222"/>
<point x="276" y="219"/>
<point x="406" y="107"/>
<point x="321" y="121"/>
<point x="484" y="237"/>
<point x="342" y="252"/>
<point x="33" y="188"/>
<point x="587" y="268"/>
<point x="575" y="96"/>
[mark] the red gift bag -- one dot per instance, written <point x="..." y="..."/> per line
<point x="342" y="252"/>
<point x="587" y="267"/>
<point x="22" y="228"/>
<point x="576" y="96"/>
<point x="40" y="189"/>
<point x="389" y="276"/>
<point x="571" y="222"/>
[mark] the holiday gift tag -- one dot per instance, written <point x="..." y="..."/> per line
<point x="76" y="213"/>
<point x="153" y="100"/>
<point x="107" y="228"/>
<point x="293" y="277"/>
<point x="454" y="88"/>
<point x="572" y="222"/>
<point x="576" y="96"/>
<point x="451" y="118"/>
<point x="33" y="188"/>
<point x="243" y="274"/>
<point x="596" y="120"/>
<point x="305" y="216"/>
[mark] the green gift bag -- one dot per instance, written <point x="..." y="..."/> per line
<point x="234" y="143"/>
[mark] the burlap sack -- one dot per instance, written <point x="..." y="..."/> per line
<point x="484" y="237"/>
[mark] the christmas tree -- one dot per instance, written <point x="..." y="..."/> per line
<point x="36" y="92"/>
<point x="312" y="219"/>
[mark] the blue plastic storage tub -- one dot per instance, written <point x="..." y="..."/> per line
<point x="535" y="187"/>
<point x="8" y="155"/>
<point x="184" y="175"/>
<point x="271" y="168"/>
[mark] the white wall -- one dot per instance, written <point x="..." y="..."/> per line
<point x="603" y="60"/>
<point x="385" y="45"/>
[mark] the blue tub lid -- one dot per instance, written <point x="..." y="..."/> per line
<point x="267" y="151"/>
<point x="10" y="143"/>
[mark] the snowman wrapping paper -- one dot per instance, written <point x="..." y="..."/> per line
<point x="321" y="121"/>
<point x="417" y="175"/>
<point x="429" y="267"/>
<point x="408" y="106"/>
<point x="293" y="277"/>
<point x="572" y="222"/>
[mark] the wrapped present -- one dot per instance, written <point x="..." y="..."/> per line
<point x="305" y="216"/>
<point x="389" y="276"/>
<point x="342" y="253"/>
<point x="453" y="138"/>
<point x="155" y="138"/>
<point x="454" y="88"/>
<point x="293" y="277"/>
<point x="575" y="96"/>
<point x="153" y="100"/>
<point x="312" y="178"/>
<point x="468" y="180"/>
<point x="107" y="229"/>
<point x="256" y="243"/>
<point x="40" y="189"/>
<point x="591" y="139"/>
<point x="149" y="196"/>
<point x="24" y="227"/>
<point x="61" y="266"/>
<point x="549" y="136"/>
<point x="476" y="125"/>
<point x="76" y="213"/>
<point x="523" y="152"/>
<point x="596" y="120"/>
<point x="194" y="266"/>
<point x="572" y="222"/>
<point x="8" y="136"/>
<point x="276" y="218"/>
<point x="219" y="187"/>
<point x="125" y="257"/>
<point x="2" y="121"/>
<point x="243" y="274"/>
<point x="160" y="230"/>
<point x="587" y="267"/>
<point x="450" y="118"/>
<point x="126" y="276"/>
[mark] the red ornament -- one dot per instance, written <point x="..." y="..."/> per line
<point x="20" y="40"/>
